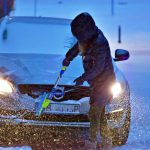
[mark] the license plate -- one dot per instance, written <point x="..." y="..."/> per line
<point x="63" y="108"/>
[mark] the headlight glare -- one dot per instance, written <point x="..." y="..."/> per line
<point x="116" y="89"/>
<point x="5" y="87"/>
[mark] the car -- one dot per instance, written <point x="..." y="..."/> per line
<point x="31" y="52"/>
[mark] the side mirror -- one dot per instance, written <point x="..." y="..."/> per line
<point x="121" y="54"/>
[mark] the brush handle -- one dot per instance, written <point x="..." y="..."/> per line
<point x="63" y="69"/>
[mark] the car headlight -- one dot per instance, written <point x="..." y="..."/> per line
<point x="116" y="89"/>
<point x="6" y="87"/>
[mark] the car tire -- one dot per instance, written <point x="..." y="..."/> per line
<point x="119" y="135"/>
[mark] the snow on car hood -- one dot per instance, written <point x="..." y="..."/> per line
<point x="38" y="68"/>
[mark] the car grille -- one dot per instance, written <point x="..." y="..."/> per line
<point x="37" y="90"/>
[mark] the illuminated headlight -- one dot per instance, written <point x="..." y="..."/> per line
<point x="6" y="87"/>
<point x="116" y="89"/>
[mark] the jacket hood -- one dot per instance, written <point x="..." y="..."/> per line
<point x="83" y="27"/>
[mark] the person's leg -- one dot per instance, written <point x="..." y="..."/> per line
<point x="106" y="140"/>
<point x="94" y="117"/>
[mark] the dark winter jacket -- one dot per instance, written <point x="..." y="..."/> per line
<point x="98" y="67"/>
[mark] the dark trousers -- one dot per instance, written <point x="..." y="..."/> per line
<point x="100" y="96"/>
<point x="97" y="122"/>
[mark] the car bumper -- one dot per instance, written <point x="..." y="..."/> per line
<point x="16" y="121"/>
<point x="114" y="110"/>
<point x="20" y="120"/>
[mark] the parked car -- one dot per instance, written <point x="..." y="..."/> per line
<point x="31" y="54"/>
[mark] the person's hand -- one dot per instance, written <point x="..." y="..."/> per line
<point x="78" y="81"/>
<point x="66" y="62"/>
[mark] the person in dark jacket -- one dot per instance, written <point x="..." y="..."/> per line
<point x="98" y="71"/>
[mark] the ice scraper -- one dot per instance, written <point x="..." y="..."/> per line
<point x="44" y="101"/>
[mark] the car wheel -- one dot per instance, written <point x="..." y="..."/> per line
<point x="119" y="135"/>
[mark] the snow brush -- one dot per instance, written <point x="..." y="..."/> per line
<point x="44" y="102"/>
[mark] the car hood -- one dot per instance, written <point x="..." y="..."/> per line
<point x="38" y="68"/>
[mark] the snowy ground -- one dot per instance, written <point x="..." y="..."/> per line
<point x="16" y="148"/>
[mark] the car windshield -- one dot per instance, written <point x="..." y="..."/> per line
<point x="36" y="35"/>
<point x="28" y="41"/>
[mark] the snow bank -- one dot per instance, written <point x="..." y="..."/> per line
<point x="16" y="148"/>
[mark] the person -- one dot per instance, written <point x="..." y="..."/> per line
<point x="6" y="6"/>
<point x="98" y="72"/>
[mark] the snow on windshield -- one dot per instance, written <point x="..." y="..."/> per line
<point x="36" y="35"/>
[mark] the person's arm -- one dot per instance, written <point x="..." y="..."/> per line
<point x="70" y="55"/>
<point x="98" y="67"/>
